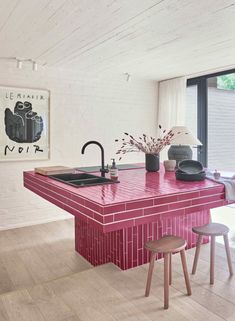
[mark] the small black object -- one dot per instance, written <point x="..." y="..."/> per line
<point x="190" y="177"/>
<point x="82" y="179"/>
<point x="190" y="166"/>
<point x="152" y="162"/>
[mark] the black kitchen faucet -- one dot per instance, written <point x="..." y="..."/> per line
<point x="103" y="170"/>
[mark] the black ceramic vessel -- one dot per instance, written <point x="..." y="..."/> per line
<point x="179" y="153"/>
<point x="152" y="162"/>
<point x="190" y="177"/>
<point x="190" y="166"/>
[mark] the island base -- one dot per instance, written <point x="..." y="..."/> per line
<point x="125" y="247"/>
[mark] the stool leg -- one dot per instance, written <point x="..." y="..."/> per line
<point x="166" y="280"/>
<point x="170" y="268"/>
<point x="150" y="273"/>
<point x="198" y="246"/>
<point x="186" y="276"/>
<point x="212" y="260"/>
<point x="226" y="243"/>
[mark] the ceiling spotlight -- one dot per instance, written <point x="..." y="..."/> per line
<point x="19" y="64"/>
<point x="35" y="66"/>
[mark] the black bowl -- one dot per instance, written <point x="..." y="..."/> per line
<point x="190" y="166"/>
<point x="190" y="177"/>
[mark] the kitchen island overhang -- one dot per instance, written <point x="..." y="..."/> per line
<point x="114" y="221"/>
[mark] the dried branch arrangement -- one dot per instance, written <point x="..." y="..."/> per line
<point x="146" y="144"/>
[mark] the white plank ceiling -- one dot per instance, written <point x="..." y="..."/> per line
<point x="154" y="39"/>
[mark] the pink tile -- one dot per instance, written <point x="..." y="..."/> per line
<point x="86" y="211"/>
<point x="156" y="209"/>
<point x="193" y="209"/>
<point x="95" y="224"/>
<point x="203" y="200"/>
<point x="70" y="210"/>
<point x="146" y="219"/>
<point x="82" y="209"/>
<point x="129" y="235"/>
<point x="127" y="215"/>
<point x="75" y="213"/>
<point x="108" y="219"/>
<point x="134" y="231"/>
<point x="212" y="191"/>
<point x="172" y="214"/>
<point x="165" y="200"/>
<point x="214" y="204"/>
<point x="78" y="199"/>
<point x="44" y="183"/>
<point x="140" y="257"/>
<point x="181" y="204"/>
<point x="45" y="195"/>
<point x="58" y="190"/>
<point x="118" y="226"/>
<point x="120" y="246"/>
<point x="186" y="196"/>
<point x="134" y="186"/>
<point x="55" y="195"/>
<point x="139" y="236"/>
<point x="98" y="217"/>
<point x="93" y="206"/>
<point x="75" y="205"/>
<point x="114" y="208"/>
<point x="47" y="191"/>
<point x="139" y="204"/>
<point x="100" y="239"/>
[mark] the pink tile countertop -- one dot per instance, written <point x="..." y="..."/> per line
<point x="138" y="198"/>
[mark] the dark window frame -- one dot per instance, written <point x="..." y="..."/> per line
<point x="202" y="111"/>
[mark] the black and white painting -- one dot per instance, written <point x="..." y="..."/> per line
<point x="24" y="116"/>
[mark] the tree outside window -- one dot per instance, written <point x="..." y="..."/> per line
<point x="226" y="82"/>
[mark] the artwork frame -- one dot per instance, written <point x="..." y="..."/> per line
<point x="24" y="124"/>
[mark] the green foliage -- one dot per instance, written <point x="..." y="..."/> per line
<point x="226" y="82"/>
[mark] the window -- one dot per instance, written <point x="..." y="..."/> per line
<point x="214" y="97"/>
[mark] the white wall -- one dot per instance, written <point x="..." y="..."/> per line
<point x="81" y="109"/>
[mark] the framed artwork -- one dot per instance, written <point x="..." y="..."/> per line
<point x="24" y="124"/>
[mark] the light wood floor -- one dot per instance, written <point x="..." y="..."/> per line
<point x="43" y="279"/>
<point x="38" y="254"/>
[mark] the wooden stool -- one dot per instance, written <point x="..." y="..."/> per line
<point x="212" y="230"/>
<point x="167" y="245"/>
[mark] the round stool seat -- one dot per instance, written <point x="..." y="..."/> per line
<point x="211" y="229"/>
<point x="167" y="244"/>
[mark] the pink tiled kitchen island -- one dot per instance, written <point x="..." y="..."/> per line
<point x="114" y="221"/>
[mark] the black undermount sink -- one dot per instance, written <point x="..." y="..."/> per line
<point x="82" y="180"/>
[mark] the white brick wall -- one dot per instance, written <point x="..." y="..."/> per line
<point x="221" y="133"/>
<point x="81" y="110"/>
<point x="221" y="128"/>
